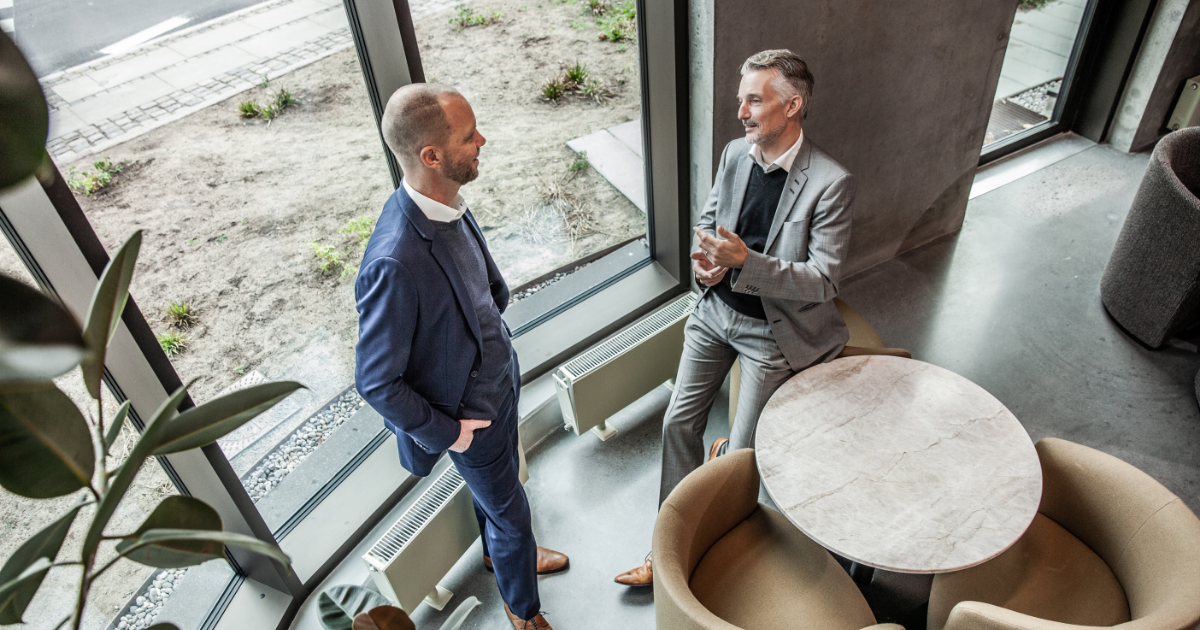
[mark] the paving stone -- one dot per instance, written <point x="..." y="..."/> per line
<point x="77" y="89"/>
<point x="211" y="39"/>
<point x="137" y="66"/>
<point x="284" y="14"/>
<point x="198" y="69"/>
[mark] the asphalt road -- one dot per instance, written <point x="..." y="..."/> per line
<point x="59" y="34"/>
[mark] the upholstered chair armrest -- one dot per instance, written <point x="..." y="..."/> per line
<point x="854" y="351"/>
<point x="980" y="616"/>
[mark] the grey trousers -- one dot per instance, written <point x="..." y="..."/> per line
<point x="713" y="338"/>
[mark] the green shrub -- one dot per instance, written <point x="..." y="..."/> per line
<point x="329" y="260"/>
<point x="465" y="16"/>
<point x="172" y="343"/>
<point x="282" y="100"/>
<point x="575" y="75"/>
<point x="101" y="175"/>
<point x="359" y="228"/>
<point x="579" y="164"/>
<point x="248" y="109"/>
<point x="180" y="313"/>
<point x="619" y="23"/>
<point x="554" y="90"/>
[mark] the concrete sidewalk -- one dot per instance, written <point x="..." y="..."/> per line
<point x="110" y="100"/>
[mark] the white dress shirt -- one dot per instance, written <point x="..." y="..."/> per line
<point x="783" y="161"/>
<point x="436" y="210"/>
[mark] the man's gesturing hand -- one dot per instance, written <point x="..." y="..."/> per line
<point x="467" y="433"/>
<point x="727" y="252"/>
<point x="706" y="273"/>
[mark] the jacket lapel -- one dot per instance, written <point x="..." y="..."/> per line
<point x="791" y="191"/>
<point x="741" y="180"/>
<point x="445" y="260"/>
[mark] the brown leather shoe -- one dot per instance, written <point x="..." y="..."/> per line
<point x="548" y="561"/>
<point x="641" y="576"/>
<point x="537" y="623"/>
<point x="718" y="448"/>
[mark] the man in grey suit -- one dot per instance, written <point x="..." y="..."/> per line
<point x="771" y="244"/>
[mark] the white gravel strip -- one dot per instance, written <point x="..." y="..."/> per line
<point x="144" y="611"/>
<point x="517" y="297"/>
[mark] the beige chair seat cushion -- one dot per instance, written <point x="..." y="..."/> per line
<point x="1048" y="573"/>
<point x="767" y="575"/>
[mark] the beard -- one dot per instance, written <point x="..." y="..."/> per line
<point x="461" y="173"/>
<point x="765" y="136"/>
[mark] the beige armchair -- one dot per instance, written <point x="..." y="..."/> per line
<point x="1110" y="546"/>
<point x="863" y="340"/>
<point x="722" y="561"/>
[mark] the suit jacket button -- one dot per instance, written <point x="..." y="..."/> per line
<point x="461" y="405"/>
<point x="474" y="373"/>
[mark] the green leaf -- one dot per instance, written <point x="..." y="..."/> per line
<point x="39" y="339"/>
<point x="16" y="593"/>
<point x="24" y="119"/>
<point x="104" y="314"/>
<point x="45" y="444"/>
<point x="44" y="544"/>
<point x="120" y="482"/>
<point x="383" y="618"/>
<point x="341" y="604"/>
<point x="114" y="429"/>
<point x="175" y="512"/>
<point x="456" y="619"/>
<point x="203" y="425"/>
<point x="207" y="545"/>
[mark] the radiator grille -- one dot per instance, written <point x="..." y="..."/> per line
<point x="416" y="517"/>
<point x="623" y="341"/>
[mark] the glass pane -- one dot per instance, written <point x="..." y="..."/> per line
<point x="24" y="517"/>
<point x="243" y="144"/>
<point x="1039" y="49"/>
<point x="556" y="93"/>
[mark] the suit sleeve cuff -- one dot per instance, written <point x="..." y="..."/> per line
<point x="440" y="434"/>
<point x="749" y="279"/>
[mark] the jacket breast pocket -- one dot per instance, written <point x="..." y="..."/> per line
<point x="792" y="243"/>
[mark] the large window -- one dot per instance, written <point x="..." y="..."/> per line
<point x="1043" y="52"/>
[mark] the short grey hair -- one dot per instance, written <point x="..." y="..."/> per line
<point x="414" y="119"/>
<point x="794" y="78"/>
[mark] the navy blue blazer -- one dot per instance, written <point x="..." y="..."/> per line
<point x="418" y="336"/>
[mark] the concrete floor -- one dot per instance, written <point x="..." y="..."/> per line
<point x="1011" y="302"/>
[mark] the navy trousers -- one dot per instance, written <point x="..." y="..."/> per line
<point x="491" y="469"/>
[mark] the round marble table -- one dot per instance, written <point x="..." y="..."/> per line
<point x="898" y="464"/>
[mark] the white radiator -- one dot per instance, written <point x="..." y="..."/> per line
<point x="410" y="559"/>
<point x="619" y="370"/>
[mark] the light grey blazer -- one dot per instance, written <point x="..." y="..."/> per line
<point x="798" y="274"/>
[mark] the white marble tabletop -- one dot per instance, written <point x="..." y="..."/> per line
<point x="898" y="464"/>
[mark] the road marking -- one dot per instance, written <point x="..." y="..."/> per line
<point x="137" y="39"/>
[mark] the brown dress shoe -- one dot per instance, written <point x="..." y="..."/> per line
<point x="548" y="561"/>
<point x="537" y="623"/>
<point x="718" y="448"/>
<point x="641" y="576"/>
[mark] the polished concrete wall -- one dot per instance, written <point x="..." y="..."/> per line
<point x="903" y="93"/>
<point x="1169" y="56"/>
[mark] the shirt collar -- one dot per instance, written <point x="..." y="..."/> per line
<point x="436" y="210"/>
<point x="784" y="161"/>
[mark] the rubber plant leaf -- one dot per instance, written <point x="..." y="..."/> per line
<point x="383" y="618"/>
<point x="104" y="314"/>
<point x="119" y="484"/>
<point x="39" y="339"/>
<point x="207" y="543"/>
<point x="174" y="512"/>
<point x="339" y="605"/>
<point x="22" y="589"/>
<point x="114" y="427"/>
<point x="203" y="425"/>
<point x="24" y="118"/>
<point x="45" y="444"/>
<point x="44" y="544"/>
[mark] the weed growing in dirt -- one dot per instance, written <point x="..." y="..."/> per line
<point x="596" y="7"/>
<point x="282" y="100"/>
<point x="576" y="74"/>
<point x="172" y="343"/>
<point x="180" y="313"/>
<point x="465" y="16"/>
<point x="329" y="260"/>
<point x="619" y="22"/>
<point x="265" y="82"/>
<point x="359" y="228"/>
<point x="579" y="164"/>
<point x="554" y="90"/>
<point x="101" y="175"/>
<point x="595" y="91"/>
